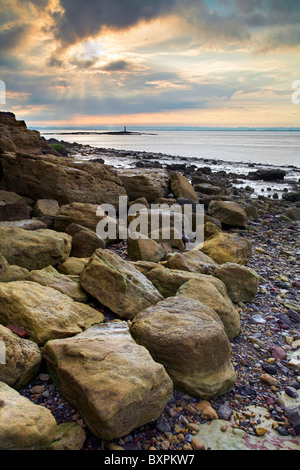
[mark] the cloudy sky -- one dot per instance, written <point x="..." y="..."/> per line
<point x="151" y="62"/>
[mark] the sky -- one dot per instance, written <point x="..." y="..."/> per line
<point x="212" y="63"/>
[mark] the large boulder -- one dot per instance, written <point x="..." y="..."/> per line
<point x="142" y="248"/>
<point x="34" y="250"/>
<point x="228" y="248"/>
<point x="23" y="425"/>
<point x="44" y="312"/>
<point x="241" y="282"/>
<point x="59" y="178"/>
<point x="22" y="360"/>
<point x="73" y="266"/>
<point x="46" y="210"/>
<point x="193" y="261"/>
<point x="118" y="285"/>
<point x="228" y="212"/>
<point x="149" y="183"/>
<point x="13" y="207"/>
<point x="49" y="277"/>
<point x="113" y="383"/>
<point x="192" y="346"/>
<point x="208" y="294"/>
<point x="77" y="213"/>
<point x="11" y="273"/>
<point x="181" y="188"/>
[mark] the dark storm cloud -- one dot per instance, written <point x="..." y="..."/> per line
<point x="11" y="37"/>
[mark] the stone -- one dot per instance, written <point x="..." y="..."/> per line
<point x="268" y="175"/>
<point x="73" y="266"/>
<point x="145" y="266"/>
<point x="34" y="250"/>
<point x="228" y="212"/>
<point x="11" y="273"/>
<point x="81" y="214"/>
<point x="27" y="224"/>
<point x="144" y="249"/>
<point x="61" y="179"/>
<point x="85" y="243"/>
<point x="210" y="230"/>
<point x="46" y="208"/>
<point x="208" y="294"/>
<point x="192" y="346"/>
<point x="44" y="312"/>
<point x="22" y="360"/>
<point x="13" y="207"/>
<point x="207" y="411"/>
<point x="193" y="261"/>
<point x="269" y="380"/>
<point x="149" y="183"/>
<point x="68" y="436"/>
<point x="241" y="282"/>
<point x="109" y="379"/>
<point x="51" y="278"/>
<point x="181" y="188"/>
<point x="197" y="444"/>
<point x="225" y="412"/>
<point x="118" y="285"/>
<point x="228" y="248"/>
<point x="23" y="425"/>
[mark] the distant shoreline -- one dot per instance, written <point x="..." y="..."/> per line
<point x="98" y="133"/>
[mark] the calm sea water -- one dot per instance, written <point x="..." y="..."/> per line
<point x="275" y="148"/>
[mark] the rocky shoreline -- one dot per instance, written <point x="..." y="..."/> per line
<point x="188" y="350"/>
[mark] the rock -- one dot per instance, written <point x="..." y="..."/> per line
<point x="241" y="282"/>
<point x="293" y="415"/>
<point x="278" y="353"/>
<point x="225" y="412"/>
<point x="192" y="346"/>
<point x="168" y="281"/>
<point x="291" y="196"/>
<point x="181" y="188"/>
<point x="228" y="248"/>
<point x="85" y="243"/>
<point x="144" y="249"/>
<point x="44" y="312"/>
<point x="193" y="261"/>
<point x="73" y="266"/>
<point x="197" y="444"/>
<point x="207" y="293"/>
<point x="209" y="189"/>
<point x="109" y="379"/>
<point x="46" y="210"/>
<point x="12" y="206"/>
<point x="148" y="183"/>
<point x="84" y="215"/>
<point x="268" y="175"/>
<point x="228" y="212"/>
<point x="23" y="425"/>
<point x="118" y="285"/>
<point x="51" y="278"/>
<point x="28" y="224"/>
<point x="34" y="250"/>
<point x="269" y="380"/>
<point x="11" y="273"/>
<point x="145" y="266"/>
<point x="172" y="237"/>
<point x="68" y="436"/>
<point x="210" y="230"/>
<point x="207" y="411"/>
<point x="61" y="179"/>
<point x="22" y="358"/>
<point x="291" y="392"/>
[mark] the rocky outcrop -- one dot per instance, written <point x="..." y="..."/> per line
<point x="34" y="250"/>
<point x="113" y="383"/>
<point x="61" y="179"/>
<point x="148" y="183"/>
<point x="228" y="212"/>
<point x="23" y="425"/>
<point x="241" y="282"/>
<point x="228" y="248"/>
<point x="192" y="346"/>
<point x="44" y="312"/>
<point x="13" y="207"/>
<point x="116" y="284"/>
<point x="22" y="360"/>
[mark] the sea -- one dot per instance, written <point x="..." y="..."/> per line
<point x="232" y="150"/>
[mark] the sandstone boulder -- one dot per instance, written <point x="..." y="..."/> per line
<point x="181" y="188"/>
<point x="34" y="250"/>
<point x="241" y="282"/>
<point x="208" y="294"/>
<point x="73" y="266"/>
<point x="192" y="346"/>
<point x="113" y="383"/>
<point x="22" y="360"/>
<point x="11" y="273"/>
<point x="228" y="248"/>
<point x="193" y="261"/>
<point x="116" y="284"/>
<point x="27" y="224"/>
<point x="23" y="425"/>
<point x="44" y="312"/>
<point x="228" y="212"/>
<point x="59" y="178"/>
<point x="144" y="249"/>
<point x="148" y="183"/>
<point x="68" y="436"/>
<point x="13" y="207"/>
